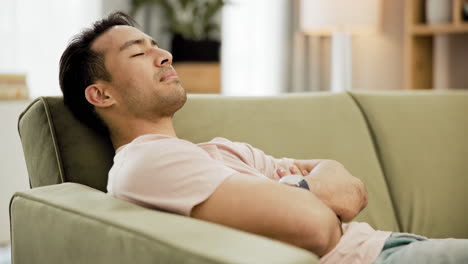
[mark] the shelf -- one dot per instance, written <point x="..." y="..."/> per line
<point x="440" y="29"/>
<point x="419" y="37"/>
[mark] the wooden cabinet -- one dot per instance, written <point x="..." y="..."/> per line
<point x="199" y="77"/>
<point x="419" y="39"/>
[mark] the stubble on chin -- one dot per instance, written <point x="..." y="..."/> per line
<point x="169" y="104"/>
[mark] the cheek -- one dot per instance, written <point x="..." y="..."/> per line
<point x="126" y="77"/>
<point x="133" y="75"/>
<point x="138" y="74"/>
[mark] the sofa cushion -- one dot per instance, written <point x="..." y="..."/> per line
<point x="422" y="140"/>
<point x="58" y="148"/>
<point x="303" y="126"/>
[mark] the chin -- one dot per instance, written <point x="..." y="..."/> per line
<point x="183" y="96"/>
<point x="181" y="90"/>
<point x="172" y="100"/>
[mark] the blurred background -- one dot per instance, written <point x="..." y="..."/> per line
<point x="238" y="47"/>
<point x="258" y="47"/>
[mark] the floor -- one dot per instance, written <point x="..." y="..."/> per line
<point x="5" y="254"/>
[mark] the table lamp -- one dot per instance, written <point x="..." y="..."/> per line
<point x="340" y="19"/>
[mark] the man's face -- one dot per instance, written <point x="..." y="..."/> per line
<point x="144" y="83"/>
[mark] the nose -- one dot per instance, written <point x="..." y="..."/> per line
<point x="162" y="58"/>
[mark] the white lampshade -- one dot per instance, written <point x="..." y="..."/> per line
<point x="351" y="16"/>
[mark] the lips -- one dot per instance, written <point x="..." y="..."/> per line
<point x="168" y="75"/>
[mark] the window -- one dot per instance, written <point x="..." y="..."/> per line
<point x="255" y="47"/>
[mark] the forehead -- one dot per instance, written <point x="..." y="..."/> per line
<point x="115" y="37"/>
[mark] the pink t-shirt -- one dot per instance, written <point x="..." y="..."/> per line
<point x="174" y="175"/>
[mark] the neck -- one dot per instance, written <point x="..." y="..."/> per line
<point x="132" y="129"/>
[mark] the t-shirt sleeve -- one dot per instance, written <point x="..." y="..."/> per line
<point x="265" y="164"/>
<point x="170" y="175"/>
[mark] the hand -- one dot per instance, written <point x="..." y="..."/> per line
<point x="345" y="194"/>
<point x="300" y="167"/>
<point x="292" y="170"/>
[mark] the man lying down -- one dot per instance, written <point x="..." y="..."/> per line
<point x="117" y="80"/>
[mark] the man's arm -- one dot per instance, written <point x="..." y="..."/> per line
<point x="329" y="180"/>
<point x="273" y="210"/>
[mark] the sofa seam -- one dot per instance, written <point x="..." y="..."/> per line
<point x="378" y="155"/>
<point x="11" y="230"/>
<point x="55" y="142"/>
<point x="104" y="222"/>
<point x="24" y="112"/>
<point x="19" y="131"/>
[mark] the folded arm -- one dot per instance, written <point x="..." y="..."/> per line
<point x="329" y="180"/>
<point x="273" y="210"/>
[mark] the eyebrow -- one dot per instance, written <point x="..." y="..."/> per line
<point x="137" y="42"/>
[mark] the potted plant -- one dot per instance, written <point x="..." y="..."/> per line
<point x="191" y="22"/>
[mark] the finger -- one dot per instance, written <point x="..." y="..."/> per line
<point x="304" y="173"/>
<point x="294" y="170"/>
<point x="281" y="172"/>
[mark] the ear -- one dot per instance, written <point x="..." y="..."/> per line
<point x="98" y="95"/>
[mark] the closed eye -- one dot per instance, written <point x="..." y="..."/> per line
<point x="138" y="54"/>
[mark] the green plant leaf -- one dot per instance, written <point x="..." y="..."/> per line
<point x="212" y="8"/>
<point x="184" y="3"/>
<point x="203" y="11"/>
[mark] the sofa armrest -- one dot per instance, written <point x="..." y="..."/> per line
<point x="73" y="223"/>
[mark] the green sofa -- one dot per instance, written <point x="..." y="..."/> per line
<point x="409" y="148"/>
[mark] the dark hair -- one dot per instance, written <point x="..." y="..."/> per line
<point x="81" y="67"/>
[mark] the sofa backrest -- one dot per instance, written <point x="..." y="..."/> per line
<point x="58" y="148"/>
<point x="422" y="140"/>
<point x="303" y="126"/>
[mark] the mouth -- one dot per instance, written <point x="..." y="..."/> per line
<point x="168" y="75"/>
